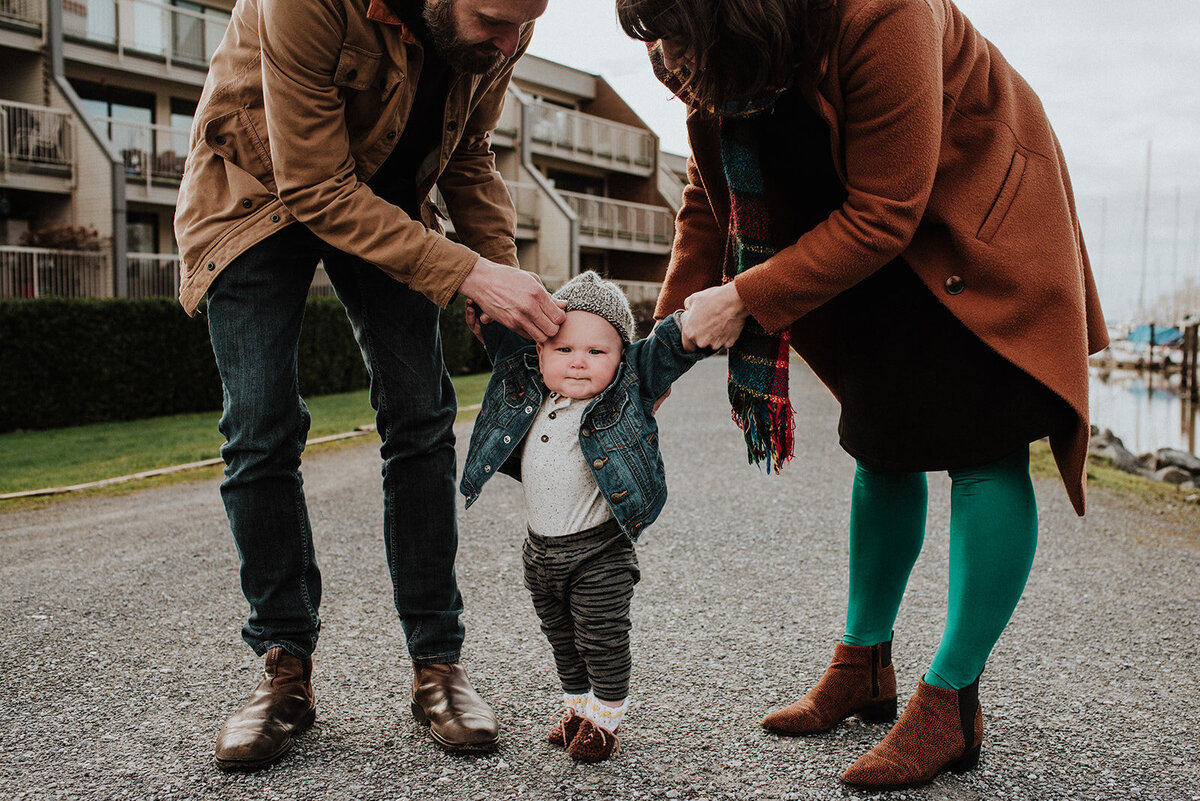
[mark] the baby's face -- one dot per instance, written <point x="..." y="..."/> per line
<point x="582" y="358"/>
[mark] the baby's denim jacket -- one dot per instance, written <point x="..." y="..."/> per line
<point x="618" y="436"/>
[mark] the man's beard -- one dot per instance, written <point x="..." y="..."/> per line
<point x="474" y="59"/>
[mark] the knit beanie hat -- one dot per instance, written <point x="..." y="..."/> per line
<point x="591" y="293"/>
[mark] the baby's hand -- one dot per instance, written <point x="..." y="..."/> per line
<point x="475" y="319"/>
<point x="689" y="346"/>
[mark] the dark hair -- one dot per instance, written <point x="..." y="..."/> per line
<point x="743" y="49"/>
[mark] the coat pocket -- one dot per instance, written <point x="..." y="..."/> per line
<point x="1004" y="200"/>
<point x="356" y="68"/>
<point x="233" y="137"/>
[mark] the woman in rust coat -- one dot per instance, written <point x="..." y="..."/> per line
<point x="872" y="185"/>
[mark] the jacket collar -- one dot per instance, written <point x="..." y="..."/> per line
<point x="378" y="11"/>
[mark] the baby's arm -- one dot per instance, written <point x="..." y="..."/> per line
<point x="660" y="358"/>
<point x="498" y="341"/>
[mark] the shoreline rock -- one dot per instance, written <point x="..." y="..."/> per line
<point x="1166" y="465"/>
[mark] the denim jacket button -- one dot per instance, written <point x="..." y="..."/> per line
<point x="528" y="410"/>
<point x="598" y="463"/>
<point x="487" y="468"/>
<point x="587" y="432"/>
<point x="507" y="439"/>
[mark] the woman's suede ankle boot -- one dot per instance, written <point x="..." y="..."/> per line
<point x="859" y="681"/>
<point x="939" y="730"/>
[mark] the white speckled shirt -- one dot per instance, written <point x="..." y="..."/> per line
<point x="561" y="494"/>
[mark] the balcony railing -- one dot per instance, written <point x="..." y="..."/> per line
<point x="153" y="154"/>
<point x="524" y="197"/>
<point x="35" y="138"/>
<point x="639" y="291"/>
<point x="593" y="140"/>
<point x="22" y="10"/>
<point x="27" y="273"/>
<point x="621" y="225"/>
<point x="153" y="275"/>
<point x="145" y="26"/>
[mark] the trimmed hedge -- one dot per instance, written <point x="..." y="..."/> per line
<point x="67" y="362"/>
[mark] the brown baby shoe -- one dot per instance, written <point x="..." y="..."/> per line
<point x="564" y="730"/>
<point x="592" y="742"/>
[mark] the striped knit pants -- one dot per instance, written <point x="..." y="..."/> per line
<point x="582" y="585"/>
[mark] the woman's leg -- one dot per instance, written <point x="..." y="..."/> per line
<point x="993" y="536"/>
<point x="887" y="529"/>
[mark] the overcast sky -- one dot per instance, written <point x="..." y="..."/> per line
<point x="1112" y="75"/>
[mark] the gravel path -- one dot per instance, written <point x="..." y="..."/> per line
<point x="120" y="623"/>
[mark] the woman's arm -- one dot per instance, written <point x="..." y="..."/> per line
<point x="699" y="244"/>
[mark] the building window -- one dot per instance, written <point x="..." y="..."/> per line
<point x="141" y="233"/>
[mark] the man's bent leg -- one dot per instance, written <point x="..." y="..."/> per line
<point x="411" y="392"/>
<point x="397" y="330"/>
<point x="255" y="309"/>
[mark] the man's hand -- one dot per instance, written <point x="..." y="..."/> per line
<point x="515" y="299"/>
<point x="714" y="319"/>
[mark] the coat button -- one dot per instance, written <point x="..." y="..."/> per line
<point x="351" y="75"/>
<point x="274" y="218"/>
<point x="545" y="438"/>
<point x="220" y="140"/>
<point x="954" y="285"/>
<point x="211" y="266"/>
<point x="598" y="463"/>
<point x="391" y="135"/>
<point x="452" y="126"/>
<point x="246" y="203"/>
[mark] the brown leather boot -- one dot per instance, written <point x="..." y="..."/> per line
<point x="281" y="706"/>
<point x="939" y="730"/>
<point x="458" y="719"/>
<point x="859" y="681"/>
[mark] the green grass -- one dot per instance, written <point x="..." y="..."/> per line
<point x="66" y="456"/>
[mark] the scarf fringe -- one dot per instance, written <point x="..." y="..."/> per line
<point x="768" y="425"/>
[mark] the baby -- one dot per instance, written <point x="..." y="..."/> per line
<point x="572" y="419"/>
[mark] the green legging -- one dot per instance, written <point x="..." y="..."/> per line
<point x="993" y="536"/>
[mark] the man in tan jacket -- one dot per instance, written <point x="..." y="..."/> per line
<point x="322" y="129"/>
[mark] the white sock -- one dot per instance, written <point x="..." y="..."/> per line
<point x="576" y="702"/>
<point x="602" y="714"/>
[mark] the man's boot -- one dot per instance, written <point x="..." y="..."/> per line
<point x="458" y="719"/>
<point x="859" y="681"/>
<point x="281" y="706"/>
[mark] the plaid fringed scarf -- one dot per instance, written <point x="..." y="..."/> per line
<point x="758" y="361"/>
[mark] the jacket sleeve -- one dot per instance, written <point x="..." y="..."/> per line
<point x="501" y="343"/>
<point x="659" y="359"/>
<point x="311" y="159"/>
<point x="698" y="248"/>
<point x="478" y="202"/>
<point x="891" y="80"/>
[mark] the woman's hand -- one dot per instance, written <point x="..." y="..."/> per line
<point x="715" y="318"/>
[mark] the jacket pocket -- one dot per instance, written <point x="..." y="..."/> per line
<point x="1004" y="200"/>
<point x="233" y="137"/>
<point x="356" y="68"/>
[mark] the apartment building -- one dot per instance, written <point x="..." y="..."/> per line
<point x="97" y="97"/>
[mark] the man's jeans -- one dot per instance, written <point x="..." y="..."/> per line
<point x="255" y="308"/>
